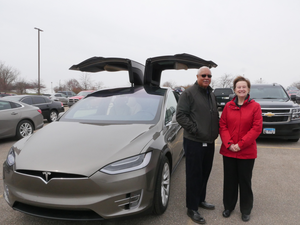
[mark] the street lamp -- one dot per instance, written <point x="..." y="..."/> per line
<point x="39" y="83"/>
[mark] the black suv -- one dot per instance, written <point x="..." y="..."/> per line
<point x="222" y="96"/>
<point x="281" y="116"/>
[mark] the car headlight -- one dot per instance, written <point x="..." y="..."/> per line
<point x="126" y="165"/>
<point x="296" y="114"/>
<point x="10" y="160"/>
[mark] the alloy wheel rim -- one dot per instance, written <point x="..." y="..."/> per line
<point x="25" y="129"/>
<point x="165" y="184"/>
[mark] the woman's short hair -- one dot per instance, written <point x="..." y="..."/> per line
<point x="241" y="78"/>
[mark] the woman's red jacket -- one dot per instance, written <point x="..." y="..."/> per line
<point x="240" y="125"/>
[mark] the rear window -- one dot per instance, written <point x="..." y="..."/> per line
<point x="226" y="91"/>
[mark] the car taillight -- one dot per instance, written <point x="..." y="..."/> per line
<point x="40" y="111"/>
<point x="62" y="105"/>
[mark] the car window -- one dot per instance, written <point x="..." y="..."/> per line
<point x="171" y="105"/>
<point x="271" y="92"/>
<point x="39" y="100"/>
<point x="131" y="108"/>
<point x="4" y="105"/>
<point x="15" y="105"/>
<point x="27" y="100"/>
<point x="223" y="92"/>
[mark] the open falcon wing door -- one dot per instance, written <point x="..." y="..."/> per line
<point x="155" y="66"/>
<point x="99" y="64"/>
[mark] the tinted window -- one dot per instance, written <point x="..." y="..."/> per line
<point x="171" y="105"/>
<point x="39" y="100"/>
<point x="223" y="91"/>
<point x="27" y="100"/>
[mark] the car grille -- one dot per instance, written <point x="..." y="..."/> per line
<point x="48" y="175"/>
<point x="73" y="100"/>
<point x="276" y="115"/>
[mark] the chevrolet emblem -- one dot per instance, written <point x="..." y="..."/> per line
<point x="269" y="114"/>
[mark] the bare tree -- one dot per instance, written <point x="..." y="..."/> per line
<point x="295" y="84"/>
<point x="35" y="85"/>
<point x="225" y="81"/>
<point x="85" y="81"/>
<point x="73" y="85"/>
<point x="21" y="85"/>
<point x="7" y="76"/>
<point x="170" y="84"/>
<point x="97" y="85"/>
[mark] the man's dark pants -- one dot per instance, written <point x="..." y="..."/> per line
<point x="199" y="161"/>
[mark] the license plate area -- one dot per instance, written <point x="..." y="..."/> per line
<point x="269" y="131"/>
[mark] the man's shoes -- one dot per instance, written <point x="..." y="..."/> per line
<point x="195" y="216"/>
<point x="226" y="213"/>
<point x="245" y="217"/>
<point x="206" y="205"/>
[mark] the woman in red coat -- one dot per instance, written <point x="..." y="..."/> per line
<point x="240" y="125"/>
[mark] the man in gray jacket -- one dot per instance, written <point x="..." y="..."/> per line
<point x="197" y="113"/>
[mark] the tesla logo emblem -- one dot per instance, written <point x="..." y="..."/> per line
<point x="47" y="174"/>
<point x="269" y="114"/>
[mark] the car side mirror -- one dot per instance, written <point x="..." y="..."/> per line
<point x="293" y="98"/>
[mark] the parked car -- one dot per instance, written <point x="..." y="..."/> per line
<point x="296" y="94"/>
<point x="79" y="96"/>
<point x="281" y="116"/>
<point x="50" y="109"/>
<point x="19" y="119"/>
<point x="114" y="153"/>
<point x="58" y="97"/>
<point x="3" y="94"/>
<point x="67" y="93"/>
<point x="222" y="96"/>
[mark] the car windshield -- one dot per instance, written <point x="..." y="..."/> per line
<point x="268" y="92"/>
<point x="83" y="93"/>
<point x="137" y="107"/>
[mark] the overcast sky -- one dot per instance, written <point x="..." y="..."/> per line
<point x="257" y="38"/>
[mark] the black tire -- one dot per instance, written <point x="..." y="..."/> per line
<point x="52" y="116"/>
<point x="24" y="129"/>
<point x="162" y="189"/>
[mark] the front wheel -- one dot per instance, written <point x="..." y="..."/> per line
<point x="162" y="189"/>
<point x="24" y="129"/>
<point x="53" y="116"/>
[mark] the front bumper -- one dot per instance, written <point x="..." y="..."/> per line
<point x="100" y="196"/>
<point x="288" y="130"/>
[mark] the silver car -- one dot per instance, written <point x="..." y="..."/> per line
<point x="59" y="97"/>
<point x="18" y="119"/>
<point x="114" y="154"/>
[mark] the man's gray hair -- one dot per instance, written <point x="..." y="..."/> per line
<point x="201" y="68"/>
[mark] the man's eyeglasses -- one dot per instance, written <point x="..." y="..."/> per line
<point x="204" y="75"/>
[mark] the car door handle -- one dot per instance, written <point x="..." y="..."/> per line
<point x="14" y="113"/>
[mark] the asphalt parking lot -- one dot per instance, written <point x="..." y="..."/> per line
<point x="276" y="185"/>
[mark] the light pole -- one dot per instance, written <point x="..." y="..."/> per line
<point x="39" y="83"/>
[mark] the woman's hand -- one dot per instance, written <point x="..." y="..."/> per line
<point x="234" y="148"/>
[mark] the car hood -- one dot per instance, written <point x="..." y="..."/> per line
<point x="269" y="103"/>
<point x="76" y="97"/>
<point x="83" y="149"/>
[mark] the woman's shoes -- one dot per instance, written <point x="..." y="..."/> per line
<point x="226" y="213"/>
